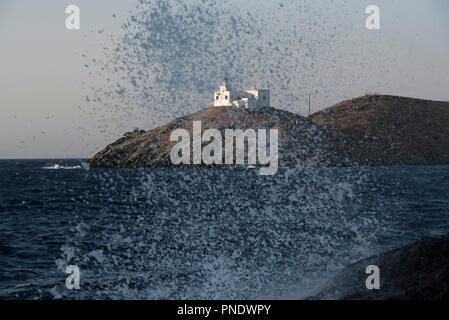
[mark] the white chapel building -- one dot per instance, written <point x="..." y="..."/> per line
<point x="252" y="99"/>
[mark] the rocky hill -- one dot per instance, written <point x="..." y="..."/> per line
<point x="299" y="138"/>
<point x="369" y="130"/>
<point x="386" y="130"/>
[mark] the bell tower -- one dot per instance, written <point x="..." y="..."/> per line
<point x="223" y="97"/>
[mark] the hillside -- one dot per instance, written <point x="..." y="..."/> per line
<point x="369" y="130"/>
<point x="299" y="138"/>
<point x="386" y="130"/>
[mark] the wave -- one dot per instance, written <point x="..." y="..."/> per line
<point x="58" y="166"/>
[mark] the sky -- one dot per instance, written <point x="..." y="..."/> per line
<point x="68" y="93"/>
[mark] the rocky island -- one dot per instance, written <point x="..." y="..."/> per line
<point x="368" y="130"/>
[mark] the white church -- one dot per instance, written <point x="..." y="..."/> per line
<point x="253" y="99"/>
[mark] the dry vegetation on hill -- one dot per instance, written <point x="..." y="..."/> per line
<point x="385" y="130"/>
<point x="369" y="130"/>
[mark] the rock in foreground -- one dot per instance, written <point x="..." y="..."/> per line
<point x="419" y="271"/>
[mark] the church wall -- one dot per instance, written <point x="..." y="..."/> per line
<point x="252" y="99"/>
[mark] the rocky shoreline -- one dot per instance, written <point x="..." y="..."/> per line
<point x="419" y="271"/>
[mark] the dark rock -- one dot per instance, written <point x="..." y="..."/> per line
<point x="416" y="271"/>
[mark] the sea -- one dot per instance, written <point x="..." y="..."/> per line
<point x="164" y="233"/>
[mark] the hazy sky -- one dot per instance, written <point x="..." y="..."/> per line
<point x="44" y="80"/>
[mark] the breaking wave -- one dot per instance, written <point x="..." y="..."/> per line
<point x="231" y="234"/>
<point x="205" y="233"/>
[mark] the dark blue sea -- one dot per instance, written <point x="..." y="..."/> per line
<point x="196" y="234"/>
